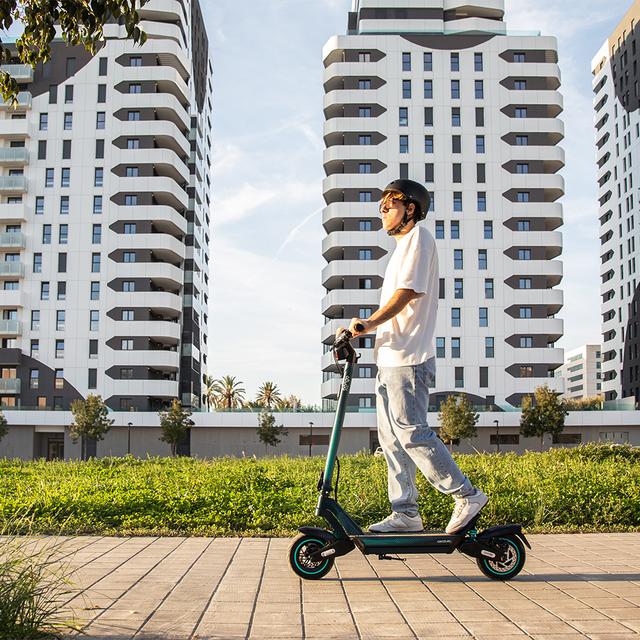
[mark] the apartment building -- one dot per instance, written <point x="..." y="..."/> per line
<point x="617" y="135"/>
<point x="443" y="93"/>
<point x="104" y="216"/>
<point x="582" y="372"/>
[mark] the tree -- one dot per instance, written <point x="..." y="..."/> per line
<point x="457" y="420"/>
<point x="209" y="391"/>
<point x="268" y="394"/>
<point x="90" y="421"/>
<point x="291" y="403"/>
<point x="228" y="393"/>
<point x="175" y="423"/>
<point x="78" y="22"/>
<point x="545" y="416"/>
<point x="3" y="426"/>
<point x="590" y="403"/>
<point x="268" y="432"/>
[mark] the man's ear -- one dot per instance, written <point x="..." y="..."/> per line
<point x="411" y="209"/>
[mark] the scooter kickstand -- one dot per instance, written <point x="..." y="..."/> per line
<point x="384" y="556"/>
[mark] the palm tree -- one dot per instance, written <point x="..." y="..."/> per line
<point x="291" y="402"/>
<point x="268" y="394"/>
<point x="209" y="391"/>
<point x="228" y="393"/>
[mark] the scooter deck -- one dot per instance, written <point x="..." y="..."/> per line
<point x="426" y="542"/>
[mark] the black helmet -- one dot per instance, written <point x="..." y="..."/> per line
<point x="414" y="192"/>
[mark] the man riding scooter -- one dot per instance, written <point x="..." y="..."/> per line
<point x="404" y="325"/>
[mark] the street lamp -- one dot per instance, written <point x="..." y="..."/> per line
<point x="497" y="435"/>
<point x="129" y="425"/>
<point x="310" y="436"/>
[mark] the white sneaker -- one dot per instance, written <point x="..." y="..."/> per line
<point x="398" y="523"/>
<point x="465" y="510"/>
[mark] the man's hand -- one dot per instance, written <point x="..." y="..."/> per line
<point x="352" y="328"/>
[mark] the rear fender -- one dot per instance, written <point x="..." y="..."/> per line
<point x="503" y="530"/>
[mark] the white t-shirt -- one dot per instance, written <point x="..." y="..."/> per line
<point x="407" y="339"/>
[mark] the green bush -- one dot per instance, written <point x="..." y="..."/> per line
<point x="588" y="488"/>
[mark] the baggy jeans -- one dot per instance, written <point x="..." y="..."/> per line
<point x="402" y="400"/>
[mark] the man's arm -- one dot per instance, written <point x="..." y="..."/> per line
<point x="398" y="301"/>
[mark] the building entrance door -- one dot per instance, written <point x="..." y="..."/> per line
<point x="55" y="448"/>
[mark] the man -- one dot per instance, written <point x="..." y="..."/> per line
<point x="404" y="325"/>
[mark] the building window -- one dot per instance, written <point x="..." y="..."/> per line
<point x="479" y="144"/>
<point x="428" y="144"/>
<point x="482" y="259"/>
<point x="365" y="254"/>
<point x="131" y="200"/>
<point x="519" y="57"/>
<point x="483" y="317"/>
<point x="59" y="378"/>
<point x="364" y="84"/>
<point x="455" y="230"/>
<point x="135" y="87"/>
<point x="525" y="312"/>
<point x="95" y="291"/>
<point x="364" y="112"/>
<point x="520" y="85"/>
<point x="457" y="172"/>
<point x="128" y="256"/>
<point x="35" y="348"/>
<point x="65" y="177"/>
<point x="135" y="61"/>
<point x="403" y="117"/>
<point x="567" y="438"/>
<point x="364" y="140"/>
<point x="100" y="120"/>
<point x="132" y="172"/>
<point x="406" y="61"/>
<point x="455" y="117"/>
<point x="92" y="379"/>
<point x="48" y="177"/>
<point x="488" y="288"/>
<point x="456" y="319"/>
<point x="365" y="283"/>
<point x="363" y="167"/>
<point x="99" y="149"/>
<point x="93" y="348"/>
<point x="127" y="314"/>
<point x="35" y="320"/>
<point x="524" y="254"/>
<point x="521" y="112"/>
<point x="459" y="377"/>
<point x="96" y="235"/>
<point x="97" y="204"/>
<point x="457" y="201"/>
<point x="458" y="289"/>
<point x="102" y="66"/>
<point x="63" y="234"/>
<point x="133" y="143"/>
<point x="68" y="121"/>
<point x="68" y="94"/>
<point x="404" y="144"/>
<point x="98" y="177"/>
<point x="102" y="93"/>
<point x="428" y="116"/>
<point x="488" y="230"/>
<point x="34" y="378"/>
<point x="526" y="342"/>
<point x="46" y="234"/>
<point x="440" y="348"/>
<point x="37" y="263"/>
<point x="479" y="116"/>
<point x="428" y="173"/>
<point x="479" y="89"/>
<point x="522" y="167"/>
<point x="364" y="312"/>
<point x="488" y="347"/>
<point x="62" y="263"/>
<point x="129" y="228"/>
<point x="457" y="259"/>
<point x="455" y="89"/>
<point x="126" y="373"/>
<point x="522" y="141"/>
<point x="406" y="89"/>
<point x="480" y="173"/>
<point x="428" y="89"/>
<point x="59" y="348"/>
<point x="522" y="196"/>
<point x="439" y="229"/>
<point x="126" y="344"/>
<point x="364" y="56"/>
<point x="94" y="320"/>
<point x="427" y="61"/>
<point x="39" y="205"/>
<point x="133" y="116"/>
<point x="365" y="196"/>
<point x="95" y="263"/>
<point x="455" y="347"/>
<point x="44" y="121"/>
<point x="456" y="144"/>
<point x="482" y="201"/>
<point x="477" y="62"/>
<point x="62" y="291"/>
<point x="524" y="283"/>
<point x="455" y="61"/>
<point x="64" y="205"/>
<point x="53" y="94"/>
<point x="526" y="371"/>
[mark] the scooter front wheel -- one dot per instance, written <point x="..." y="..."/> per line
<point x="300" y="550"/>
<point x="512" y="562"/>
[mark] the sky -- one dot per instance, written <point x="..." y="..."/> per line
<point x="266" y="261"/>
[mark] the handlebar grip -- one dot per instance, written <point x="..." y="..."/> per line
<point x="359" y="326"/>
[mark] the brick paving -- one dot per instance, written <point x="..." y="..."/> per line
<point x="573" y="586"/>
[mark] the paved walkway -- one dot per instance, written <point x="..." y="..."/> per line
<point x="573" y="586"/>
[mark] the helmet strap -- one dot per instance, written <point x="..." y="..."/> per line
<point x="405" y="221"/>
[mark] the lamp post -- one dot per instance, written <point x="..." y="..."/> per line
<point x="497" y="435"/>
<point x="310" y="436"/>
<point x="129" y="425"/>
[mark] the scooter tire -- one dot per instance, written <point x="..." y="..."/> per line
<point x="301" y="564"/>
<point x="513" y="564"/>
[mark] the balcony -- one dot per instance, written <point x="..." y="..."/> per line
<point x="159" y="329"/>
<point x="13" y="240"/>
<point x="24" y="102"/>
<point x="342" y="268"/>
<point x="10" y="328"/>
<point x="11" y="269"/>
<point x="9" y="385"/>
<point x="12" y="212"/>
<point x="350" y="297"/>
<point x="13" y="156"/>
<point x="13" y="184"/>
<point x="19" y="72"/>
<point x="15" y="129"/>
<point x="11" y="298"/>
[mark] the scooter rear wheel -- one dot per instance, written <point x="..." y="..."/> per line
<point x="301" y="564"/>
<point x="512" y="564"/>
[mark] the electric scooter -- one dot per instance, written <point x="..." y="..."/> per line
<point x="499" y="551"/>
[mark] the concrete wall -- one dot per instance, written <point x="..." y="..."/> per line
<point x="18" y="443"/>
<point x="144" y="441"/>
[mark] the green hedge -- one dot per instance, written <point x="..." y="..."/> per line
<point x="588" y="488"/>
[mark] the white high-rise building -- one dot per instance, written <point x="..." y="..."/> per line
<point x="617" y="134"/>
<point x="582" y="372"/>
<point x="104" y="216"/>
<point x="442" y="93"/>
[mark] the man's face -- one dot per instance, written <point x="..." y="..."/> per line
<point x="392" y="211"/>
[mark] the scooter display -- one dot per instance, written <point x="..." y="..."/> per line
<point x="499" y="551"/>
